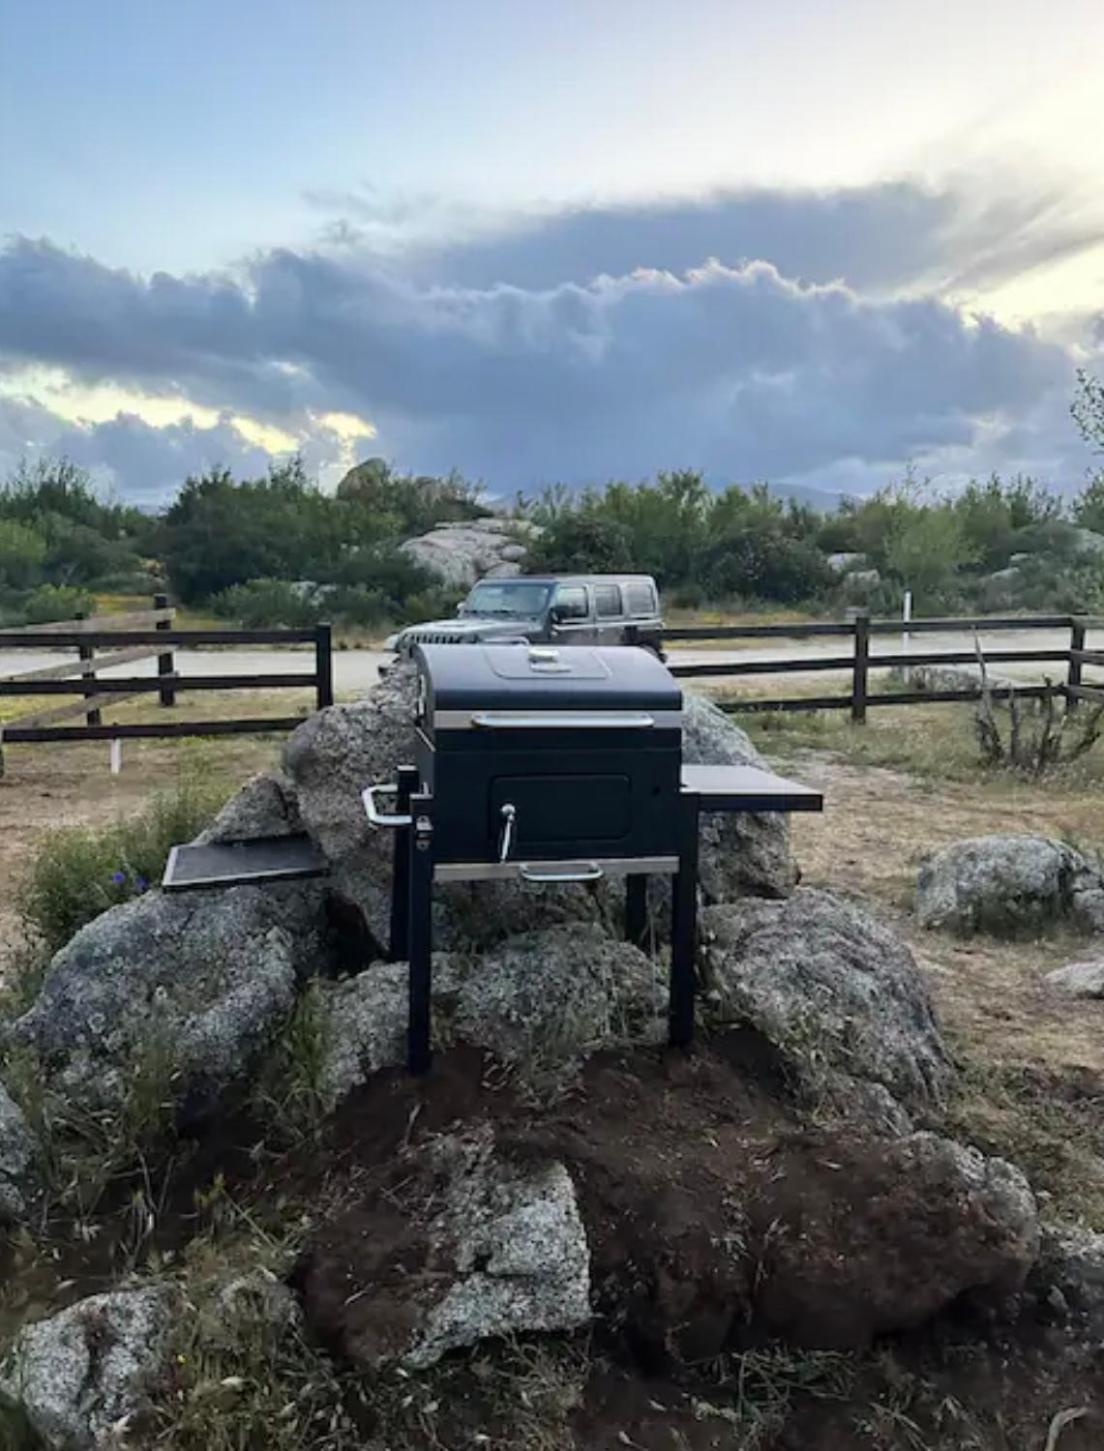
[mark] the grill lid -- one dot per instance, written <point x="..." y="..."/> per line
<point x="488" y="678"/>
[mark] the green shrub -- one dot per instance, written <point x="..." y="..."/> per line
<point x="266" y="602"/>
<point x="763" y="563"/>
<point x="52" y="602"/>
<point x="81" y="871"/>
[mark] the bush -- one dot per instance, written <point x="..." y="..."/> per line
<point x="766" y="564"/>
<point x="80" y="872"/>
<point x="52" y="602"/>
<point x="266" y="602"/>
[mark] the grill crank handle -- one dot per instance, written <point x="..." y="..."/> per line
<point x="383" y="818"/>
<point x="590" y="872"/>
<point x="509" y="822"/>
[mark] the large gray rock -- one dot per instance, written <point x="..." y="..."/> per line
<point x="191" y="988"/>
<point x="741" y="855"/>
<point x="899" y="1232"/>
<point x="81" y="1376"/>
<point x="459" y="554"/>
<point x="265" y="806"/>
<point x="542" y="1001"/>
<point x="845" y="561"/>
<point x="361" y="1027"/>
<point x="1078" y="979"/>
<point x="19" y="1179"/>
<point x="1069" y="1276"/>
<point x="488" y="1243"/>
<point x="840" y="998"/>
<point x="545" y="1000"/>
<point x="1007" y="885"/>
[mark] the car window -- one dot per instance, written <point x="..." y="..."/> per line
<point x="641" y="599"/>
<point x="607" y="601"/>
<point x="571" y="601"/>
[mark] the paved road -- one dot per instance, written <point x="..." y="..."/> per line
<point x="357" y="670"/>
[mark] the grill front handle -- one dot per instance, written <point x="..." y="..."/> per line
<point x="563" y="720"/>
<point x="377" y="817"/>
<point x="590" y="872"/>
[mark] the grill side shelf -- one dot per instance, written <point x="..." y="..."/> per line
<point x="747" y="788"/>
<point x="244" y="862"/>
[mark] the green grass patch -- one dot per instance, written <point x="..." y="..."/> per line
<point x="80" y="872"/>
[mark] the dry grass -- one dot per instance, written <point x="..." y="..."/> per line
<point x="1032" y="1082"/>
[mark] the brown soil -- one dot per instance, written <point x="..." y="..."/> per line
<point x="715" y="1220"/>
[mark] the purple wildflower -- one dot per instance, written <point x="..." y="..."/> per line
<point x="119" y="878"/>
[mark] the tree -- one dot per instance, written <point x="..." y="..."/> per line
<point x="22" y="554"/>
<point x="1088" y="410"/>
<point x="924" y="552"/>
<point x="1088" y="507"/>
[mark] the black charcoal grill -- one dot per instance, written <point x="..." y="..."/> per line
<point x="553" y="766"/>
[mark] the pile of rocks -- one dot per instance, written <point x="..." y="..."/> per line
<point x="676" y="1207"/>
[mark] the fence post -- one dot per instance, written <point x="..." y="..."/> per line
<point x="861" y="668"/>
<point x="323" y="664"/>
<point x="165" y="663"/>
<point x="87" y="652"/>
<point x="1073" y="677"/>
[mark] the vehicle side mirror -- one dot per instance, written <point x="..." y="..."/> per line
<point x="557" y="614"/>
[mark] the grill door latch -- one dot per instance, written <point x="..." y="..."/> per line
<point x="506" y="837"/>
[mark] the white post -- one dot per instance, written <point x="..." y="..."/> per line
<point x="906" y="616"/>
<point x="116" y="756"/>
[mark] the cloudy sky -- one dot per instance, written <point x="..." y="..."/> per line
<point x="545" y="240"/>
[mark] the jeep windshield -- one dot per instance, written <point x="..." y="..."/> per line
<point x="508" y="599"/>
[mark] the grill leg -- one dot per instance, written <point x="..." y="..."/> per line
<point x="684" y="925"/>
<point x="400" y="869"/>
<point x="636" y="910"/>
<point x="419" y="1051"/>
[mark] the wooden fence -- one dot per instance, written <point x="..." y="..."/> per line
<point x="859" y="662"/>
<point x="142" y="635"/>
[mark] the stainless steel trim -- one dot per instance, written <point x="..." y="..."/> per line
<point x="654" y="866"/>
<point x="506" y="720"/>
<point x="589" y="872"/>
<point x="375" y="815"/>
<point x="459" y="720"/>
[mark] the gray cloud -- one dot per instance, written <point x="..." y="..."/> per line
<point x="890" y="235"/>
<point x="550" y="353"/>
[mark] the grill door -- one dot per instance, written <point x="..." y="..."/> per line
<point x="562" y="813"/>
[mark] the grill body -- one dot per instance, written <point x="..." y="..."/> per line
<point x="535" y="754"/>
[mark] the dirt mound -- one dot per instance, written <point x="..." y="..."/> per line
<point x="715" y="1219"/>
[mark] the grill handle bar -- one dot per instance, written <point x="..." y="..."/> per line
<point x="590" y="872"/>
<point x="383" y="818"/>
<point x="612" y="721"/>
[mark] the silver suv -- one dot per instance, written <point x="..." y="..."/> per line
<point x="569" y="609"/>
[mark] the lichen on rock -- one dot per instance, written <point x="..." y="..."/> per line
<point x="81" y="1376"/>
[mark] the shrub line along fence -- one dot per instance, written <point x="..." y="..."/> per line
<point x="860" y="662"/>
<point x="144" y="634"/>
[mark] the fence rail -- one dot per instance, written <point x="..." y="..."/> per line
<point x="145" y="634"/>
<point x="860" y="662"/>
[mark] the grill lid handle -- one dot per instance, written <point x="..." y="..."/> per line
<point x="588" y="872"/>
<point x="383" y="818"/>
<point x="542" y="720"/>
